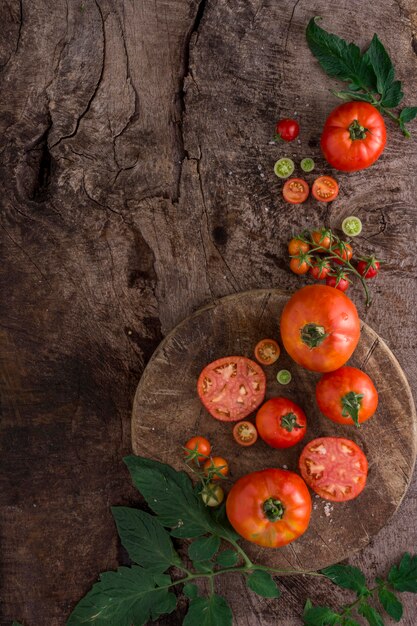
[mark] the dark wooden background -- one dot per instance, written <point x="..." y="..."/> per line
<point x="137" y="185"/>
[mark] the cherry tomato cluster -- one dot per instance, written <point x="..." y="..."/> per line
<point x="327" y="257"/>
<point x="209" y="469"/>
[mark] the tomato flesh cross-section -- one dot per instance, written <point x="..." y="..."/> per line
<point x="231" y="388"/>
<point x="334" y="467"/>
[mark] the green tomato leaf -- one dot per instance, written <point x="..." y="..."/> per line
<point x="408" y="114"/>
<point x="320" y="616"/>
<point x="371" y="615"/>
<point x="391" y="604"/>
<point x="393" y="95"/>
<point x="190" y="590"/>
<point x="308" y="605"/>
<point x="204" y="548"/>
<point x="347" y="96"/>
<point x="403" y="577"/>
<point x="339" y="58"/>
<point x="381" y="64"/>
<point x="171" y="496"/>
<point x="263" y="584"/>
<point x="221" y="525"/>
<point x="203" y="566"/>
<point x="347" y="577"/>
<point x="145" y="539"/>
<point x="212" y="611"/>
<point x="129" y="595"/>
<point x="227" y="558"/>
<point x="350" y="622"/>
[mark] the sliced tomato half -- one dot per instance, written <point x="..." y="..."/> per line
<point x="325" y="189"/>
<point x="231" y="388"/>
<point x="295" y="190"/>
<point x="334" y="467"/>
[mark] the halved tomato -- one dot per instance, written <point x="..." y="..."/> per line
<point x="325" y="189"/>
<point x="295" y="190"/>
<point x="231" y="388"/>
<point x="334" y="467"/>
<point x="245" y="433"/>
<point x="267" y="351"/>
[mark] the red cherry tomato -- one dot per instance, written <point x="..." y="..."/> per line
<point x="287" y="129"/>
<point x="295" y="190"/>
<point x="267" y="351"/>
<point x="339" y="281"/>
<point x="347" y="396"/>
<point x="300" y="264"/>
<point x="245" y="433"/>
<point x="354" y="136"/>
<point x="368" y="268"/>
<point x="231" y="388"/>
<point x="325" y="189"/>
<point x="217" y="467"/>
<point x="270" y="508"/>
<point x="320" y="267"/>
<point x="197" y="449"/>
<point x="335" y="468"/>
<point x="343" y="250"/>
<point x="281" y="423"/>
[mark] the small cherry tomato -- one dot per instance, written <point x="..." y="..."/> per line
<point x="197" y="449"/>
<point x="343" y="250"/>
<point x="339" y="281"/>
<point x="368" y="268"/>
<point x="245" y="433"/>
<point x="216" y="467"/>
<point x="267" y="351"/>
<point x="212" y="494"/>
<point x="281" y="423"/>
<point x="322" y="237"/>
<point x="296" y="246"/>
<point x="295" y="190"/>
<point x="300" y="264"/>
<point x="287" y="130"/>
<point x="320" y="268"/>
<point x="325" y="189"/>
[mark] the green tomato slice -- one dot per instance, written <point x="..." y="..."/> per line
<point x="352" y="226"/>
<point x="307" y="165"/>
<point x="284" y="167"/>
<point x="284" y="377"/>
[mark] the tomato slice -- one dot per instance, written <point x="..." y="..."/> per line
<point x="267" y="351"/>
<point x="231" y="388"/>
<point x="334" y="467"/>
<point x="245" y="433"/>
<point x="325" y="189"/>
<point x="295" y="190"/>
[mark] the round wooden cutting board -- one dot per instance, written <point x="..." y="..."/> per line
<point x="167" y="411"/>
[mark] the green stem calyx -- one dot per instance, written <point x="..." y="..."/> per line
<point x="273" y="509"/>
<point x="351" y="404"/>
<point x="357" y="131"/>
<point x="289" y="422"/>
<point x="313" y="335"/>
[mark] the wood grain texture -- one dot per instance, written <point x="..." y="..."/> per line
<point x="137" y="186"/>
<point x="234" y="325"/>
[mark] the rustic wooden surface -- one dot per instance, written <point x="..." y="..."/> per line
<point x="137" y="186"/>
<point x="234" y="325"/>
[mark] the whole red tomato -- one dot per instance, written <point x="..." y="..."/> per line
<point x="287" y="129"/>
<point x="281" y="423"/>
<point x="271" y="507"/>
<point x="347" y="396"/>
<point x="320" y="328"/>
<point x="354" y="136"/>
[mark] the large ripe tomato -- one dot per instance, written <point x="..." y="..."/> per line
<point x="320" y="328"/>
<point x="231" y="388"/>
<point x="354" y="136"/>
<point x="281" y="423"/>
<point x="271" y="507"/>
<point x="335" y="468"/>
<point x="347" y="396"/>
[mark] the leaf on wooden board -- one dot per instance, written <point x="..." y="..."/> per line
<point x="129" y="595"/>
<point x="263" y="584"/>
<point x="190" y="590"/>
<point x="371" y="615"/>
<point x="408" y="114"/>
<point x="393" y="95"/>
<point x="381" y="64"/>
<point x="320" y="616"/>
<point x="211" y="611"/>
<point x="145" y="539"/>
<point x="171" y="496"/>
<point x="391" y="604"/>
<point x="227" y="558"/>
<point x="403" y="577"/>
<point x="204" y="548"/>
<point x="347" y="577"/>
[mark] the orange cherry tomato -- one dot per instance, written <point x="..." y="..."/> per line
<point x="295" y="190"/>
<point x="300" y="264"/>
<point x="322" y="237"/>
<point x="267" y="351"/>
<point x="343" y="250"/>
<point x="245" y="433"/>
<point x="217" y="466"/>
<point x="197" y="449"/>
<point x="325" y="189"/>
<point x="295" y="246"/>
